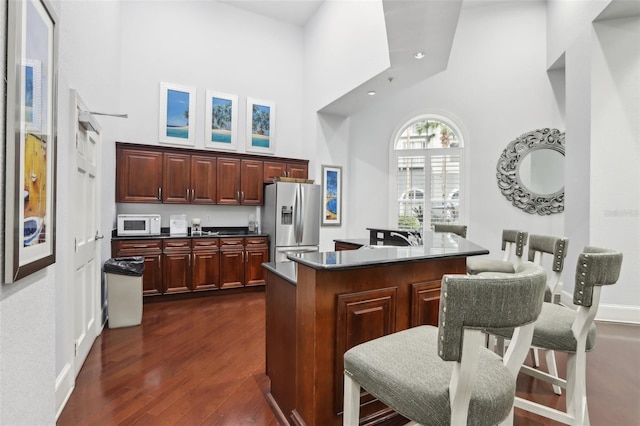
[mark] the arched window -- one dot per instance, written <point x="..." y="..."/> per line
<point x="428" y="163"/>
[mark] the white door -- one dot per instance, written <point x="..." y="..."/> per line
<point x="86" y="220"/>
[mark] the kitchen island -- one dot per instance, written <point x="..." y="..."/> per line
<point x="321" y="304"/>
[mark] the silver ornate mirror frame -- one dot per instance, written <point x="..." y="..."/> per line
<point x="508" y="174"/>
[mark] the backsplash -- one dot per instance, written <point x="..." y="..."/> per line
<point x="210" y="215"/>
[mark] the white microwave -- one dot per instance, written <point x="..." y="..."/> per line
<point x="138" y="224"/>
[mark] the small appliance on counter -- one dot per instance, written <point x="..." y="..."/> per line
<point x="196" y="227"/>
<point x="138" y="224"/>
<point x="178" y="225"/>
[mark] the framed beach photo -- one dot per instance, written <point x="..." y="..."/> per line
<point x="177" y="114"/>
<point x="261" y="121"/>
<point x="221" y="120"/>
<point x="331" y="195"/>
<point x="30" y="139"/>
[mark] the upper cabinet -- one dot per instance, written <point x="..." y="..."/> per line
<point x="138" y="176"/>
<point x="156" y="174"/>
<point x="293" y="169"/>
<point x="189" y="179"/>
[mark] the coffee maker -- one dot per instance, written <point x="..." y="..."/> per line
<point x="196" y="227"/>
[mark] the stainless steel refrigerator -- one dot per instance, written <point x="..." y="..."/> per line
<point x="291" y="217"/>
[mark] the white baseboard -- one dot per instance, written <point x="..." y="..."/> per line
<point x="65" y="383"/>
<point x="610" y="313"/>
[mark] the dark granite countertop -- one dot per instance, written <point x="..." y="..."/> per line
<point x="436" y="246"/>
<point x="285" y="270"/>
<point x="207" y="232"/>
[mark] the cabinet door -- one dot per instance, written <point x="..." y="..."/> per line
<point x="203" y="179"/>
<point x="252" y="188"/>
<point x="425" y="303"/>
<point x="273" y="169"/>
<point x="206" y="270"/>
<point x="254" y="272"/>
<point x="298" y="171"/>
<point x="152" y="275"/>
<point x="138" y="176"/>
<point x="228" y="181"/>
<point x="177" y="272"/>
<point x="231" y="268"/>
<point x="151" y="250"/>
<point x="176" y="181"/>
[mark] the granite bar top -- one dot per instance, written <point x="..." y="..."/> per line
<point x="436" y="246"/>
<point x="285" y="270"/>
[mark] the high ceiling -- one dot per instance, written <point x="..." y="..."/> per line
<point x="406" y="35"/>
<point x="296" y="12"/>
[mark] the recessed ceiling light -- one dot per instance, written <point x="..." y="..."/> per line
<point x="371" y="92"/>
<point x="419" y="55"/>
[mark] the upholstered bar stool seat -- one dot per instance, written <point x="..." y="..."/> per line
<point x="511" y="240"/>
<point x="381" y="364"/>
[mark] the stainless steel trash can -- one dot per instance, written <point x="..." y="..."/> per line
<point x="124" y="291"/>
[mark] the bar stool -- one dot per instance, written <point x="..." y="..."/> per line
<point x="511" y="240"/>
<point x="460" y="230"/>
<point x="410" y="371"/>
<point x="560" y="328"/>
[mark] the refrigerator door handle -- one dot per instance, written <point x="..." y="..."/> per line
<point x="296" y="216"/>
<point x="303" y="212"/>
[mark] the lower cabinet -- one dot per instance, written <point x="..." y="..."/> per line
<point x="206" y="264"/>
<point x="176" y="260"/>
<point x="151" y="250"/>
<point x="183" y="265"/>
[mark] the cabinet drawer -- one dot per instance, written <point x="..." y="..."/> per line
<point x="177" y="244"/>
<point x="231" y="243"/>
<point x="205" y="243"/>
<point x="256" y="241"/>
<point x="138" y="245"/>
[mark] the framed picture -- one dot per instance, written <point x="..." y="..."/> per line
<point x="177" y="114"/>
<point x="221" y="120"/>
<point x="30" y="139"/>
<point x="331" y="195"/>
<point x="261" y="121"/>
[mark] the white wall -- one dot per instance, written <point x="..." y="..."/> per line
<point x="602" y="110"/>
<point x="505" y="96"/>
<point x="615" y="152"/>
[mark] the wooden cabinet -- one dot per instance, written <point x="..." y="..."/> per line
<point x="240" y="182"/>
<point x="203" y="179"/>
<point x="251" y="187"/>
<point x="176" y="260"/>
<point x="256" y="253"/>
<point x="206" y="264"/>
<point x="183" y="265"/>
<point x="151" y="251"/>
<point x="138" y="176"/>
<point x="425" y="303"/>
<point x="276" y="169"/>
<point x="176" y="178"/>
<point x="189" y="179"/>
<point x="231" y="262"/>
<point x="154" y="174"/>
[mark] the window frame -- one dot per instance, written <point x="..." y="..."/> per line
<point x="427" y="153"/>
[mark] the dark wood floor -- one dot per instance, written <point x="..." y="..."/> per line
<point x="202" y="361"/>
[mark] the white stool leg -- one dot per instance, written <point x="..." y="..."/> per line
<point x="553" y="370"/>
<point x="535" y="357"/>
<point x="351" y="414"/>
<point x="577" y="388"/>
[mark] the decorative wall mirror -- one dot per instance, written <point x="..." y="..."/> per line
<point x="530" y="172"/>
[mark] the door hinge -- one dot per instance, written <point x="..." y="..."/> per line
<point x="75" y="349"/>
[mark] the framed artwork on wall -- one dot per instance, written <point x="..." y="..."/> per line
<point x="221" y="120"/>
<point x="331" y="195"/>
<point x="177" y="114"/>
<point x="261" y="120"/>
<point x="30" y="139"/>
